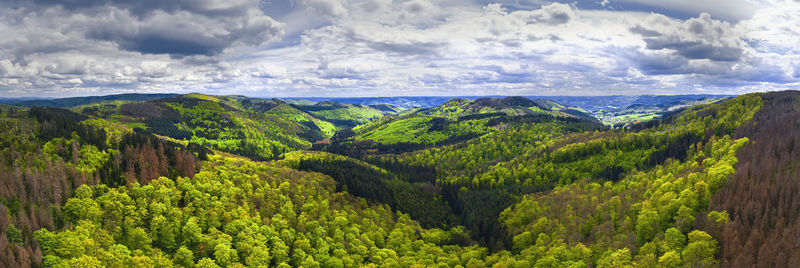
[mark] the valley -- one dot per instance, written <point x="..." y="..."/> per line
<point x="199" y="180"/>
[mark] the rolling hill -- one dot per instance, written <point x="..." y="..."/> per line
<point x="500" y="182"/>
<point x="452" y="122"/>
<point x="348" y="115"/>
<point x="257" y="128"/>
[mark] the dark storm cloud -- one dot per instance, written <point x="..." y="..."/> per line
<point x="411" y="48"/>
<point x="696" y="49"/>
<point x="166" y="45"/>
<point x="638" y="29"/>
<point x="660" y="64"/>
<point x="696" y="38"/>
<point x="700" y="45"/>
<point x="177" y="27"/>
<point x="728" y="10"/>
<point x="556" y="14"/>
<point x="396" y="46"/>
<point x="145" y="7"/>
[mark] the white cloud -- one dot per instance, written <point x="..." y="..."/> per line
<point x="331" y="8"/>
<point x="696" y="38"/>
<point x="400" y="47"/>
<point x="122" y="46"/>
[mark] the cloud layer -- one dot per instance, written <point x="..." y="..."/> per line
<point x="385" y="47"/>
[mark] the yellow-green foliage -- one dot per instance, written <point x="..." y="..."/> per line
<point x="487" y="151"/>
<point x="202" y="97"/>
<point x="256" y="135"/>
<point x="724" y="116"/>
<point x="293" y="114"/>
<point x="419" y="129"/>
<point x="456" y="108"/>
<point x="114" y="131"/>
<point x="100" y="105"/>
<point x="358" y="114"/>
<point x="91" y="159"/>
<point x="578" y="198"/>
<point x="644" y="219"/>
<point x="644" y="205"/>
<point x="327" y="128"/>
<point x="406" y="129"/>
<point x="454" y="121"/>
<point x="540" y="155"/>
<point x="87" y="158"/>
<point x="463" y="107"/>
<point x="18" y="133"/>
<point x="372" y="125"/>
<point x="218" y="123"/>
<point x="237" y="212"/>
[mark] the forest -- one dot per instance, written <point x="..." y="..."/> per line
<point x="231" y="181"/>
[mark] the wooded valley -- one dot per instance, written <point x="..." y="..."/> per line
<point x="230" y="181"/>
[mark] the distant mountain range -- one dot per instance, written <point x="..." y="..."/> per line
<point x="77" y="101"/>
<point x="404" y="102"/>
<point x="589" y="103"/>
<point x="612" y="110"/>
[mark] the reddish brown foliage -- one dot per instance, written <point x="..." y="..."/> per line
<point x="33" y="185"/>
<point x="763" y="196"/>
<point x="32" y="194"/>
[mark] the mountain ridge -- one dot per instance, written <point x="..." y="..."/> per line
<point x="615" y="110"/>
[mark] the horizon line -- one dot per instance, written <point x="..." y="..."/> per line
<point x="355" y="97"/>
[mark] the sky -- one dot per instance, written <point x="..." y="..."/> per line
<point x="363" y="48"/>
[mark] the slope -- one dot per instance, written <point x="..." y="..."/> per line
<point x="507" y="105"/>
<point x="348" y="115"/>
<point x="542" y="160"/>
<point x="46" y="153"/>
<point x="237" y="212"/>
<point x="216" y="122"/>
<point x="418" y="199"/>
<point x="225" y="211"/>
<point x="761" y="224"/>
<point x="450" y="123"/>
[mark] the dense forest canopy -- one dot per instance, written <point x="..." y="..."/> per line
<point x="230" y="181"/>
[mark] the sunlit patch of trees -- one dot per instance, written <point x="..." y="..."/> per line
<point x="235" y="212"/>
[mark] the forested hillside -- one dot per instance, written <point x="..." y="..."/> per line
<point x="762" y="199"/>
<point x="230" y="181"/>
<point x="260" y="129"/>
<point x="47" y="153"/>
<point x="453" y="122"/>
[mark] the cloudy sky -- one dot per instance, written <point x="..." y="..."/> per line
<point x="280" y="48"/>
